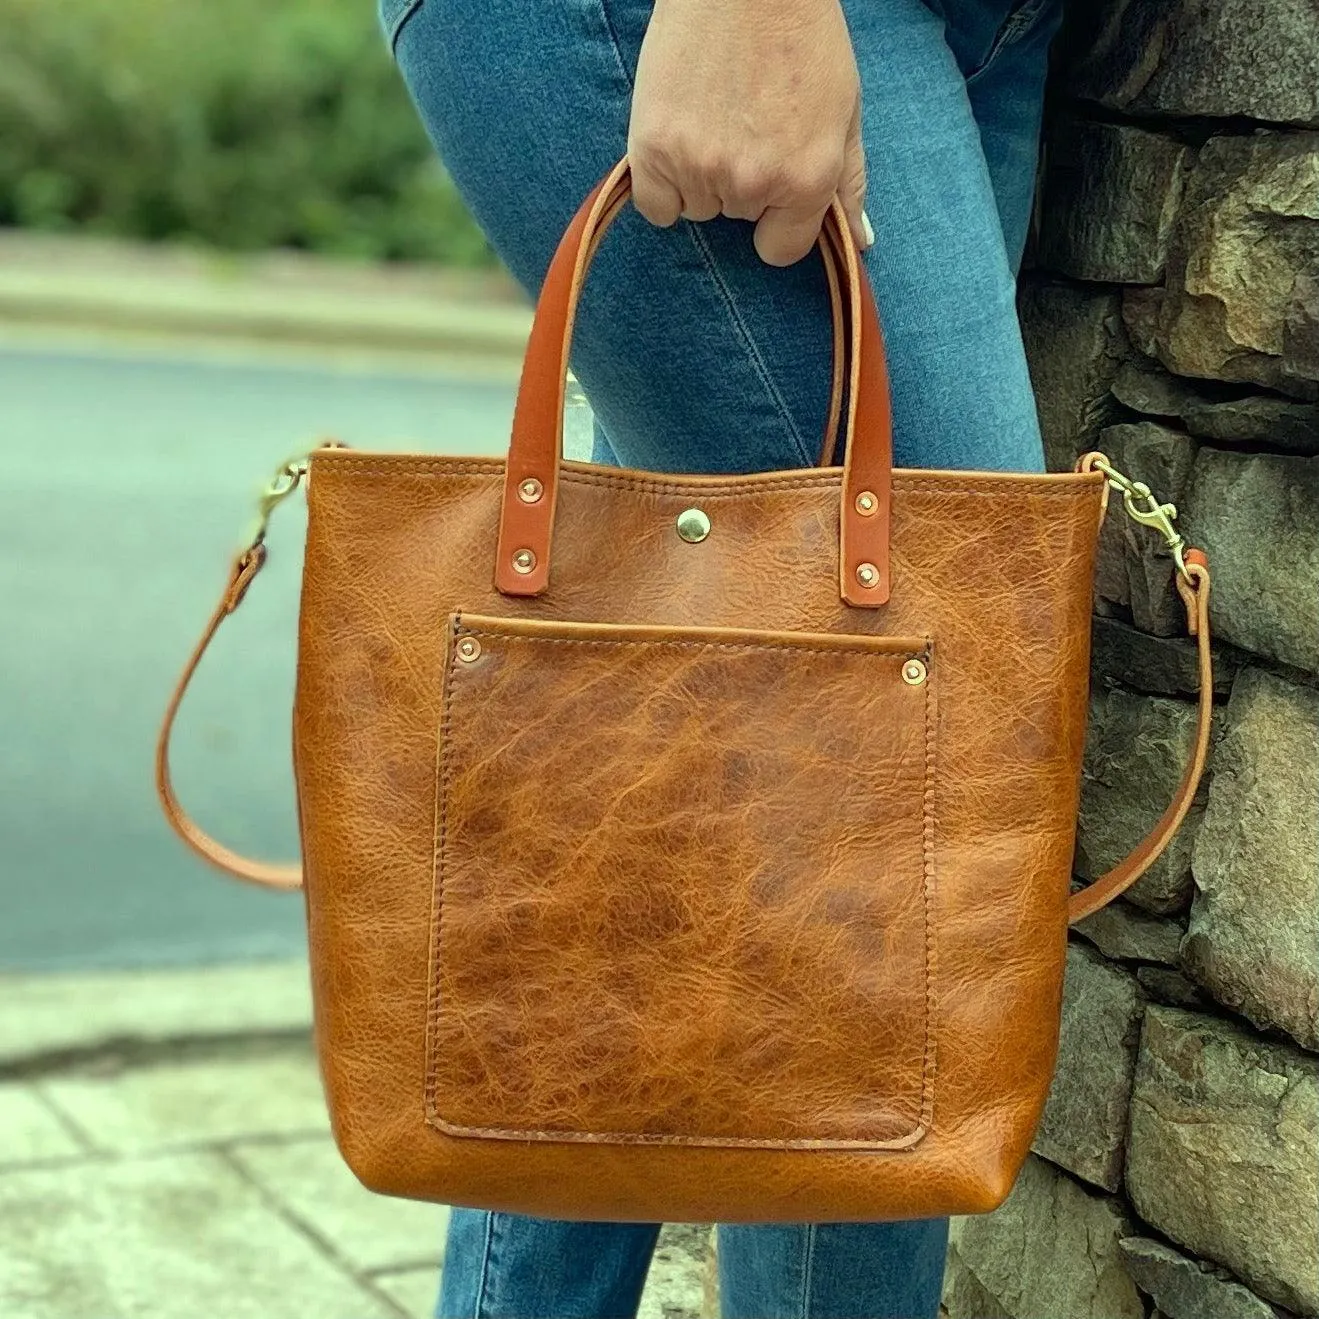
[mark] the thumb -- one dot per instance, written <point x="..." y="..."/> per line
<point x="852" y="189"/>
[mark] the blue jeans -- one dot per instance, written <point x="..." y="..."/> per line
<point x="696" y="357"/>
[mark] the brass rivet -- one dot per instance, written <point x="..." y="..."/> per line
<point x="693" y="525"/>
<point x="523" y="561"/>
<point x="469" y="648"/>
<point x="866" y="503"/>
<point x="530" y="490"/>
<point x="913" y="672"/>
<point x="867" y="574"/>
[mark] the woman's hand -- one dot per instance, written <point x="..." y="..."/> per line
<point x="752" y="109"/>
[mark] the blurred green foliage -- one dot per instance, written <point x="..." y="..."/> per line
<point x="240" y="123"/>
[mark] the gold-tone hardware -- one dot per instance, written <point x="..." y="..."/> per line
<point x="530" y="490"/>
<point x="524" y="561"/>
<point x="469" y="648"/>
<point x="693" y="525"/>
<point x="866" y="503"/>
<point x="867" y="574"/>
<point x="280" y="486"/>
<point x="913" y="672"/>
<point x="278" y="489"/>
<point x="1153" y="514"/>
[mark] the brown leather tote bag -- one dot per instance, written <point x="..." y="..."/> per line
<point x="691" y="847"/>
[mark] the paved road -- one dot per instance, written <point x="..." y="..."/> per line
<point x="126" y="477"/>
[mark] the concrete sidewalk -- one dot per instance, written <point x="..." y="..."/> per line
<point x="164" y="1151"/>
<point x="60" y="282"/>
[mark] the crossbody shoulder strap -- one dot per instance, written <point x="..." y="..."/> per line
<point x="1192" y="584"/>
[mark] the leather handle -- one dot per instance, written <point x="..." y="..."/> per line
<point x="1195" y="595"/>
<point x="535" y="455"/>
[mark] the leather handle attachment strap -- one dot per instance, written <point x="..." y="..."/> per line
<point x="536" y="450"/>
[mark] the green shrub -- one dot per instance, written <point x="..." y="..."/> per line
<point x="240" y="123"/>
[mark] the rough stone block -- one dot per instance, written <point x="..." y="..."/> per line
<point x="1222" y="413"/>
<point x="1050" y="1249"/>
<point x="1137" y="748"/>
<point x="1257" y="516"/>
<point x="1165" y="985"/>
<point x="1223" y="1152"/>
<point x="964" y="1297"/>
<point x="1085" y="1120"/>
<point x="1187" y="1288"/>
<point x="1134" y="568"/>
<point x="1075" y="344"/>
<point x="1126" y="933"/>
<point x="1160" y="666"/>
<point x="1238" y="297"/>
<point x="371" y="1232"/>
<point x="1253" y="939"/>
<point x="174" y="1236"/>
<point x="1110" y="196"/>
<point x="1198" y="57"/>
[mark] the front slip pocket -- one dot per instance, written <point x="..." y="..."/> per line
<point x="683" y="886"/>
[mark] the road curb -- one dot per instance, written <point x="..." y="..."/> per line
<point x="288" y="298"/>
<point x="52" y="1016"/>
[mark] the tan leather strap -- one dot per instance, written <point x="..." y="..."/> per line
<point x="536" y="448"/>
<point x="1195" y="596"/>
<point x="241" y="575"/>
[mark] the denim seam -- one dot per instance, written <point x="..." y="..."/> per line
<point x="616" y="44"/>
<point x="1015" y="27"/>
<point x="807" y="1272"/>
<point x="711" y="263"/>
<point x="483" y="1286"/>
<point x="396" y="27"/>
<point x="740" y="327"/>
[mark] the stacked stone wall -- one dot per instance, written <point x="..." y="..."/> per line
<point x="1171" y="314"/>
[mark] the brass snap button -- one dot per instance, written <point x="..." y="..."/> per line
<point x="914" y="672"/>
<point x="693" y="525"/>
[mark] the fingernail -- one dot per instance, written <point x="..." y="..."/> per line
<point x="868" y="229"/>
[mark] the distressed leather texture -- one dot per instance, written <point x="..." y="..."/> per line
<point x="683" y="887"/>
<point x="646" y="888"/>
<point x="994" y="569"/>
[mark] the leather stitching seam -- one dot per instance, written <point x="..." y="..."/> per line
<point x="907" y="652"/>
<point x="438" y="870"/>
<point x="990" y="483"/>
<point x="904" y="1142"/>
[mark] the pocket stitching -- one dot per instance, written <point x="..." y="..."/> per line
<point x="906" y="1141"/>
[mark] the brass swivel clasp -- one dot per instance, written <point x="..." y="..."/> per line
<point x="280" y="486"/>
<point x="1142" y="506"/>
